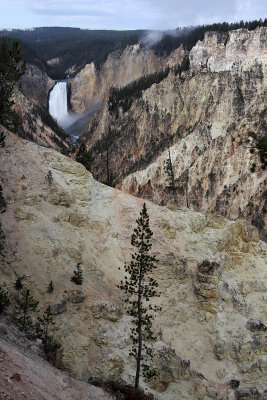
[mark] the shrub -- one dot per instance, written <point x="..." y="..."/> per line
<point x="77" y="276"/>
<point x="50" y="287"/>
<point x="49" y="177"/>
<point x="4" y="300"/>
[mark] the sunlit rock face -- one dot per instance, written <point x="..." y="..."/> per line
<point x="223" y="51"/>
<point x="211" y="273"/>
<point x="90" y="86"/>
<point x="203" y="118"/>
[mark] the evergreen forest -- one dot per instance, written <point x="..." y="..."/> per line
<point x="63" y="52"/>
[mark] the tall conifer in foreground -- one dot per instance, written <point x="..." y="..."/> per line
<point x="139" y="287"/>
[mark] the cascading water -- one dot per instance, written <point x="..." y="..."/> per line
<point x="74" y="124"/>
<point x="58" y="104"/>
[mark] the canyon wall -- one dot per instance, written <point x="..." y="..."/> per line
<point x="211" y="273"/>
<point x="203" y="116"/>
<point x="36" y="85"/>
<point x="90" y="86"/>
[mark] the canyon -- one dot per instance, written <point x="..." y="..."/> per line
<point x="90" y="86"/>
<point x="209" y="231"/>
<point x="202" y="118"/>
<point x="211" y="273"/>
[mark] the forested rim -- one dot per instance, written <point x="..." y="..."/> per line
<point x="189" y="36"/>
<point x="73" y="48"/>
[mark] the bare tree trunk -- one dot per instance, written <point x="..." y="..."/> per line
<point x="139" y="326"/>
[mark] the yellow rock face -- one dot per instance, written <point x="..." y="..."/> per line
<point x="90" y="86"/>
<point x="205" y="310"/>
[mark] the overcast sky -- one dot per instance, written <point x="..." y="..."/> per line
<point x="126" y="14"/>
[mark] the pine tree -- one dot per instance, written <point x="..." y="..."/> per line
<point x="18" y="284"/>
<point x="139" y="287"/>
<point x="258" y="145"/>
<point x="168" y="168"/>
<point x="110" y="175"/>
<point x="2" y="139"/>
<point x="2" y="239"/>
<point x="49" y="177"/>
<point x="84" y="157"/>
<point x="50" y="287"/>
<point x="2" y="201"/>
<point x="25" y="304"/>
<point x="46" y="330"/>
<point x="4" y="300"/>
<point x="11" y="70"/>
<point x="2" y="210"/>
<point x="77" y="276"/>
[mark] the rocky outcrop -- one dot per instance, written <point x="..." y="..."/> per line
<point x="90" y="86"/>
<point x="202" y="345"/>
<point x="203" y="116"/>
<point x="36" y="85"/>
<point x="223" y="51"/>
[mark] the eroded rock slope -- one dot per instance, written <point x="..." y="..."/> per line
<point x="36" y="85"/>
<point x="203" y="116"/>
<point x="211" y="272"/>
<point x="89" y="86"/>
<point x="25" y="375"/>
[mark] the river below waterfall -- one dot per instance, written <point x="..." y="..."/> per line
<point x="74" y="124"/>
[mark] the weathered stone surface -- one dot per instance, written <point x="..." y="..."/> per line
<point x="188" y="326"/>
<point x="36" y="85"/>
<point x="248" y="393"/>
<point x="108" y="311"/>
<point x="114" y="366"/>
<point x="60" y="307"/>
<point x="60" y="198"/>
<point x="169" y="367"/>
<point x="203" y="118"/>
<point x="90" y="86"/>
<point x="223" y="51"/>
<point x="76" y="296"/>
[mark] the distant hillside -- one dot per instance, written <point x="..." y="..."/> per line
<point x="63" y="52"/>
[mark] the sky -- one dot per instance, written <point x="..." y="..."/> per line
<point x="126" y="14"/>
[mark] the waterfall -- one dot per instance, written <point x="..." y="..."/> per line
<point x="58" y="104"/>
<point x="74" y="124"/>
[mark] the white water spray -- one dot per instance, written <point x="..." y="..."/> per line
<point x="58" y="104"/>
